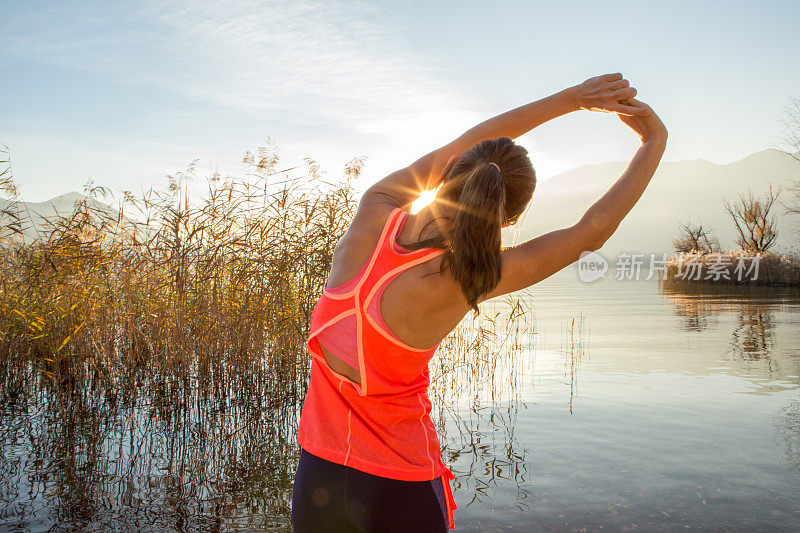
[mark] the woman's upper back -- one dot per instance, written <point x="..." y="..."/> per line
<point x="379" y="423"/>
<point x="420" y="306"/>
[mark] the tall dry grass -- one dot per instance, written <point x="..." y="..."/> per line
<point x="152" y="356"/>
<point x="175" y="295"/>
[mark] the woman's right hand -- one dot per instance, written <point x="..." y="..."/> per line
<point x="647" y="127"/>
<point x="606" y="94"/>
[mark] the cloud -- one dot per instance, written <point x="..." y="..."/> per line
<point x="328" y="79"/>
<point x="310" y="62"/>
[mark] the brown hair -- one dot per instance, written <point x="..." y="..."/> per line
<point x="484" y="199"/>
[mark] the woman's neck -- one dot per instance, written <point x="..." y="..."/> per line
<point x="433" y="219"/>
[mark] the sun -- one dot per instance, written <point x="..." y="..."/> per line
<point x="424" y="199"/>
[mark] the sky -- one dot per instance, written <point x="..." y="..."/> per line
<point x="126" y="93"/>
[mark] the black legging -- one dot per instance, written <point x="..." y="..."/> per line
<point x="331" y="497"/>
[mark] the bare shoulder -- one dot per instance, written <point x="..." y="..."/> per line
<point x="372" y="214"/>
<point x="368" y="223"/>
<point x="356" y="245"/>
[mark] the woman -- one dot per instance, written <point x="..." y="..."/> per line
<point x="370" y="458"/>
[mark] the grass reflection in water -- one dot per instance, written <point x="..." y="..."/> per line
<point x="197" y="461"/>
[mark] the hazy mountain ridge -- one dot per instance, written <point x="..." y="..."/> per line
<point x="679" y="191"/>
<point x="36" y="218"/>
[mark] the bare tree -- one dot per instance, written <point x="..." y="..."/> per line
<point x="791" y="134"/>
<point x="695" y="239"/>
<point x="791" y="128"/>
<point x="756" y="225"/>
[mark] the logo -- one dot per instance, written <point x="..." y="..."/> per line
<point x="591" y="266"/>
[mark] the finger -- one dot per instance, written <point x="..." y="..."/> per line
<point x="631" y="110"/>
<point x="611" y="77"/>
<point x="623" y="94"/>
<point x="637" y="103"/>
<point x="619" y="84"/>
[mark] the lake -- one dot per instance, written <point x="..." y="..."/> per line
<point x="618" y="405"/>
<point x="681" y="412"/>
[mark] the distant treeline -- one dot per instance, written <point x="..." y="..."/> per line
<point x="702" y="259"/>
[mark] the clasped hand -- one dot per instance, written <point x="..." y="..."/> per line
<point x="611" y="93"/>
<point x="607" y="94"/>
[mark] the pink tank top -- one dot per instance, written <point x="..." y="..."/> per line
<point x="382" y="425"/>
<point x="340" y="338"/>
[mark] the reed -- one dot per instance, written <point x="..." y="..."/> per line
<point x="476" y="390"/>
<point x="574" y="345"/>
<point x="176" y="296"/>
<point x="160" y="346"/>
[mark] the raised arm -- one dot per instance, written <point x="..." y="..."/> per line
<point x="543" y="256"/>
<point x="601" y="93"/>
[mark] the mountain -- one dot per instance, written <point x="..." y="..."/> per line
<point x="36" y="218"/>
<point x="678" y="192"/>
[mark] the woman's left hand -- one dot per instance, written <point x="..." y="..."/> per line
<point x="606" y="94"/>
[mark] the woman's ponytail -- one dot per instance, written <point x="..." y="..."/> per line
<point x="475" y="260"/>
<point x="473" y="203"/>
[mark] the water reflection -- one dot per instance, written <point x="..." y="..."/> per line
<point x="475" y="388"/>
<point x="753" y="336"/>
<point x="789" y="430"/>
<point x="213" y="458"/>
<point x="686" y="414"/>
<point x="696" y="313"/>
<point x="72" y="461"/>
<point x="749" y="314"/>
<point x="754" y="347"/>
<point x="699" y="303"/>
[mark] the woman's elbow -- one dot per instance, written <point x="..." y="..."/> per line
<point x="595" y="231"/>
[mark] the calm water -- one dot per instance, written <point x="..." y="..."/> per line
<point x="629" y="407"/>
<point x="681" y="411"/>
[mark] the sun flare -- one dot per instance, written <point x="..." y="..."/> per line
<point x="424" y="199"/>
